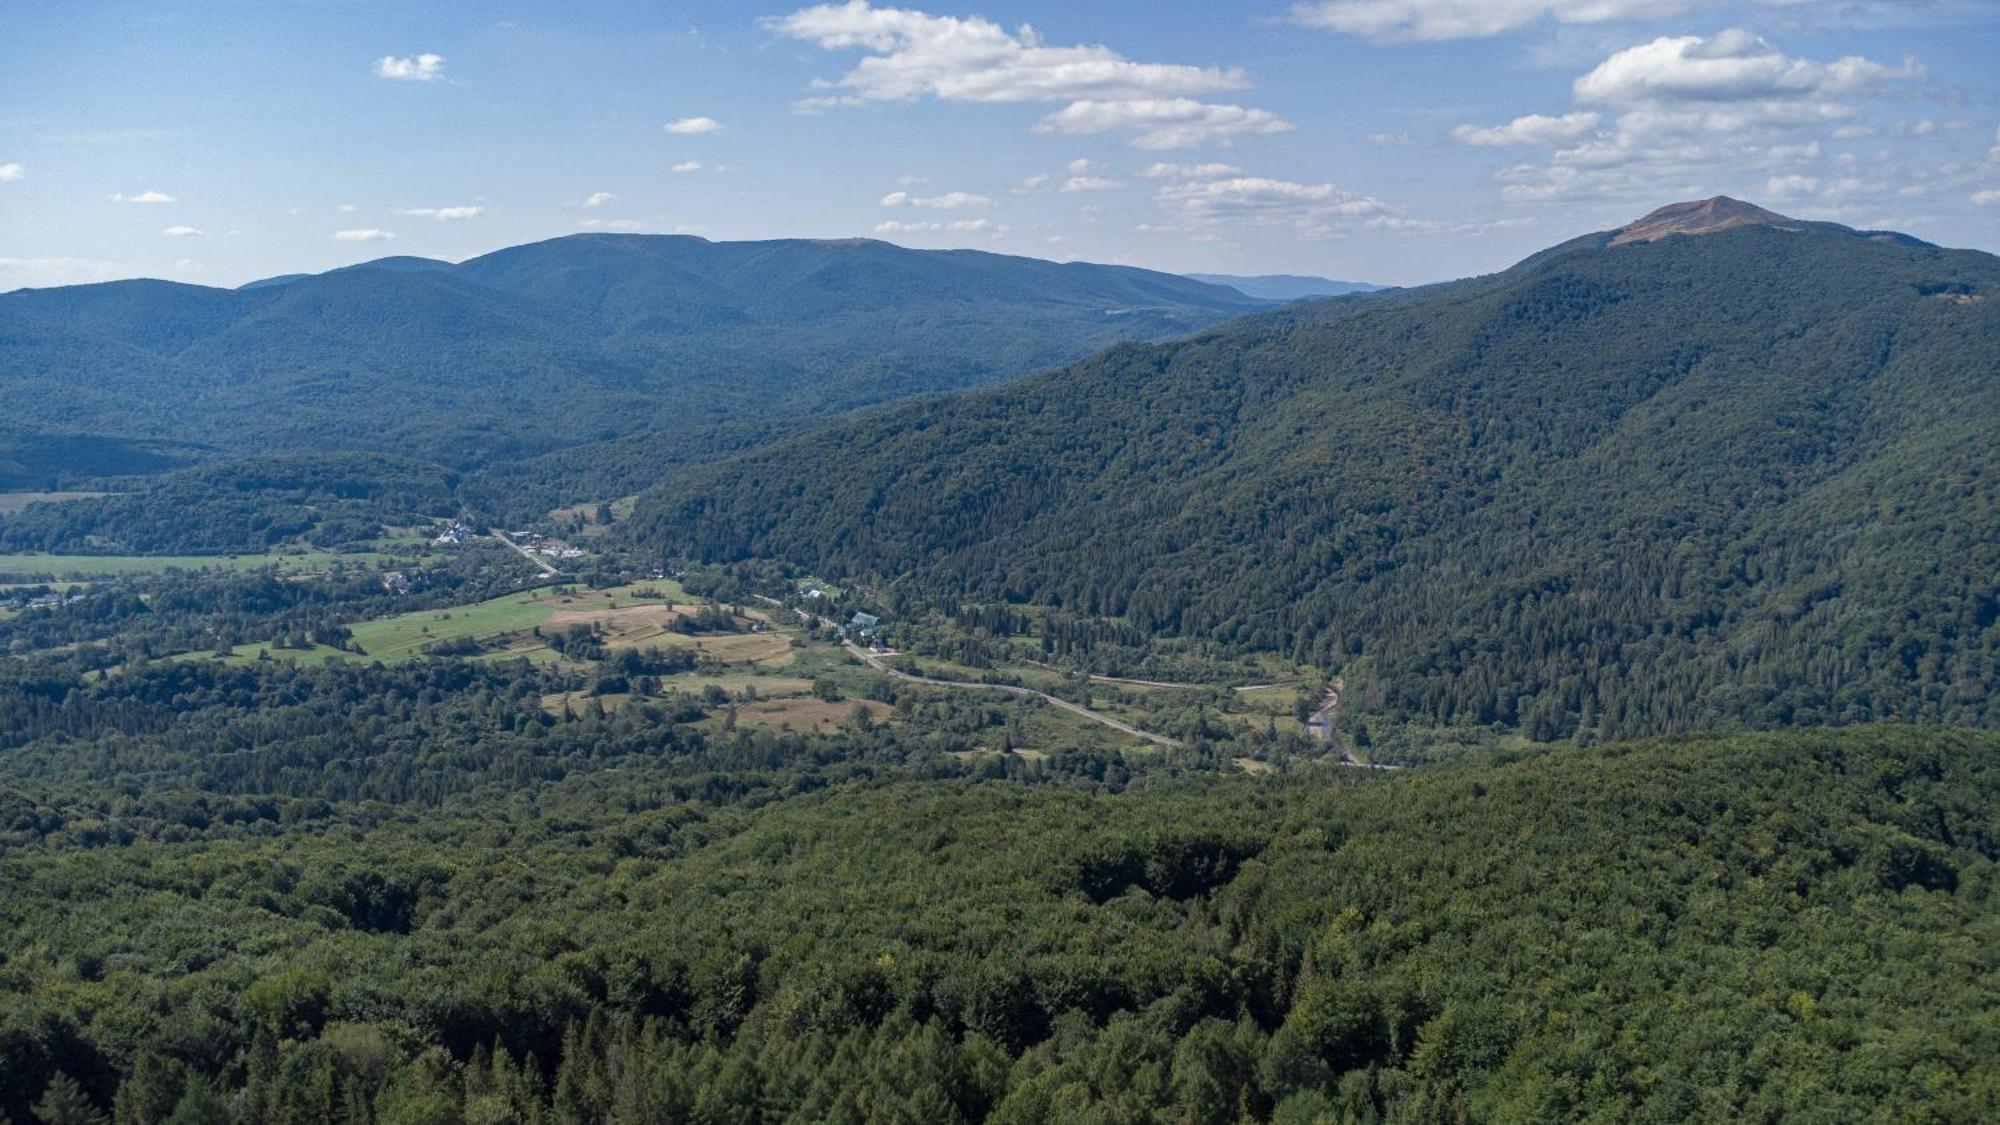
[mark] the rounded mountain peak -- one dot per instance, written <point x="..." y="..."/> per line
<point x="1701" y="216"/>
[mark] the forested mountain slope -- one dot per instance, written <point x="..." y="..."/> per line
<point x="1749" y="476"/>
<point x="539" y="347"/>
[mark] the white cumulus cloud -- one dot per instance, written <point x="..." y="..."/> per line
<point x="1988" y="198"/>
<point x="11" y="172"/>
<point x="818" y="104"/>
<point x="912" y="54"/>
<point x="686" y="166"/>
<point x="1692" y="115"/>
<point x="1313" y="210"/>
<point x="144" y="197"/>
<point x="948" y="201"/>
<point x="1082" y="177"/>
<point x="597" y="199"/>
<point x="1408" y="20"/>
<point x="181" y="232"/>
<point x="693" y="126"/>
<point x="442" y="214"/>
<point x="365" y="234"/>
<point x="1162" y="123"/>
<point x="1533" y="129"/>
<point x="1190" y="171"/>
<point x="1396" y="224"/>
<point x="932" y="226"/>
<point x="426" y="67"/>
<point x="1729" y="66"/>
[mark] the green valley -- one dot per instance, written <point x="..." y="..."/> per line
<point x="1566" y="694"/>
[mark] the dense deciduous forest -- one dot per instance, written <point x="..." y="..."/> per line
<point x="1746" y="478"/>
<point x="326" y="500"/>
<point x="1725" y="928"/>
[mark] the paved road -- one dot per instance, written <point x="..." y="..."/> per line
<point x="876" y="663"/>
<point x="548" y="570"/>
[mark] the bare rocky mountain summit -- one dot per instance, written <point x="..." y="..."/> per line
<point x="1702" y="216"/>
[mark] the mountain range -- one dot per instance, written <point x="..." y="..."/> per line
<point x="540" y="347"/>
<point x="1284" y="286"/>
<point x="1717" y="467"/>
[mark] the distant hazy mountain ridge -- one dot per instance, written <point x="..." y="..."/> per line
<point x="1284" y="286"/>
<point x="538" y="347"/>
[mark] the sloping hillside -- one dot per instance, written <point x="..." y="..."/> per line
<point x="1743" y="477"/>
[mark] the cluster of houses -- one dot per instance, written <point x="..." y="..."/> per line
<point x="458" y="532"/>
<point x="863" y="627"/>
<point x="53" y="600"/>
<point x="541" y="545"/>
<point x="396" y="582"/>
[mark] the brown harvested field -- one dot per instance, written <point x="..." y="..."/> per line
<point x="808" y="714"/>
<point x="976" y="755"/>
<point x="578" y="700"/>
<point x="650" y="624"/>
<point x="1278" y="697"/>
<point x="627" y="626"/>
<point x="769" y="650"/>
<point x="771" y="691"/>
<point x="11" y="502"/>
<point x="768" y="687"/>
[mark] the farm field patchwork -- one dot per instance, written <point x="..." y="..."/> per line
<point x="640" y="615"/>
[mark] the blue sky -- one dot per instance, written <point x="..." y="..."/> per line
<point x="1382" y="140"/>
